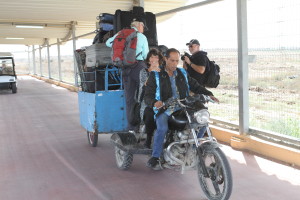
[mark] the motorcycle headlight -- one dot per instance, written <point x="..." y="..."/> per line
<point x="202" y="116"/>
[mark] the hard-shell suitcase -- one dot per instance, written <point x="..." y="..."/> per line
<point x="106" y="17"/>
<point x="98" y="55"/>
<point x="106" y="26"/>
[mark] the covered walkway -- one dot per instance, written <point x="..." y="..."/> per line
<point x="44" y="154"/>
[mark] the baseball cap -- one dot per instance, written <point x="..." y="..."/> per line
<point x="140" y="19"/>
<point x="193" y="41"/>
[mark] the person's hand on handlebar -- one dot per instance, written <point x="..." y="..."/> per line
<point x="215" y="99"/>
<point x="158" y="104"/>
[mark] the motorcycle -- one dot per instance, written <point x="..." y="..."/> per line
<point x="185" y="148"/>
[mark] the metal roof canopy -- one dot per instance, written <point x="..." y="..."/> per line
<point x="6" y="54"/>
<point x="57" y="18"/>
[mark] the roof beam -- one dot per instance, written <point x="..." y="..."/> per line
<point x="202" y="3"/>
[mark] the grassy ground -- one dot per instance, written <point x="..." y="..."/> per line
<point x="274" y="90"/>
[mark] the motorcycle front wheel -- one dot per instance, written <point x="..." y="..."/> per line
<point x="218" y="185"/>
<point x="123" y="159"/>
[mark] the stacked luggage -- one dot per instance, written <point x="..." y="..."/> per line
<point x="98" y="55"/>
<point x="111" y="24"/>
<point x="105" y="28"/>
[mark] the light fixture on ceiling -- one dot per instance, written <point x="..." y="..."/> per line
<point x="10" y="38"/>
<point x="29" y="26"/>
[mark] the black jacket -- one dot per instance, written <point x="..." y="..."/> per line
<point x="166" y="90"/>
<point x="199" y="58"/>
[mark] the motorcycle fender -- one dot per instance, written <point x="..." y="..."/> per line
<point x="123" y="138"/>
<point x="209" y="145"/>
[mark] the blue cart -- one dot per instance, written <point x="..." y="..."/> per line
<point x="104" y="110"/>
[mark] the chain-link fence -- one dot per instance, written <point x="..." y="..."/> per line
<point x="274" y="71"/>
<point x="274" y="58"/>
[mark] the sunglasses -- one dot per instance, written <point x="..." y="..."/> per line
<point x="190" y="46"/>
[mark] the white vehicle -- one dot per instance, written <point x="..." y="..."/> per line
<point x="8" y="77"/>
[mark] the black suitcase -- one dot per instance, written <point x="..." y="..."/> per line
<point x="123" y="19"/>
<point x="151" y="34"/>
<point x="137" y="10"/>
<point x="98" y="55"/>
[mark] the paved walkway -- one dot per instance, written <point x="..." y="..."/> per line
<point x="44" y="155"/>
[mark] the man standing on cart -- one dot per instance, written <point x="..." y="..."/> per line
<point x="131" y="73"/>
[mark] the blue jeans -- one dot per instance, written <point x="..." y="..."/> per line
<point x="159" y="136"/>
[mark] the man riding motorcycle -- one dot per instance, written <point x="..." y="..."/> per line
<point x="170" y="82"/>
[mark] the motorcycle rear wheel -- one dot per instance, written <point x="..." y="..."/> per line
<point x="218" y="186"/>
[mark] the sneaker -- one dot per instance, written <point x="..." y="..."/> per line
<point x="154" y="163"/>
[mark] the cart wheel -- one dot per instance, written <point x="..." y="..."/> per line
<point x="92" y="138"/>
<point x="14" y="87"/>
<point x="123" y="159"/>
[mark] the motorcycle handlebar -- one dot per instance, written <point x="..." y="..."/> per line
<point x="191" y="99"/>
<point x="209" y="99"/>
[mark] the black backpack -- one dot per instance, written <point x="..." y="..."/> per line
<point x="213" y="76"/>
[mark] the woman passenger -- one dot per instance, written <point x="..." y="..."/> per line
<point x="153" y="61"/>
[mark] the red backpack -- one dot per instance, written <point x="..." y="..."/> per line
<point x="124" y="48"/>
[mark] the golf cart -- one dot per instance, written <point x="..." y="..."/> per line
<point x="8" y="77"/>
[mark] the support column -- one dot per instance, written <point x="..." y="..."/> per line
<point x="33" y="60"/>
<point x="41" y="64"/>
<point x="74" y="59"/>
<point x="48" y="55"/>
<point x="243" y="82"/>
<point x="29" y="59"/>
<point x="138" y="3"/>
<point x="59" y="60"/>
